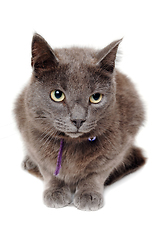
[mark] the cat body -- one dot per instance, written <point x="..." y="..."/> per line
<point x="76" y="95"/>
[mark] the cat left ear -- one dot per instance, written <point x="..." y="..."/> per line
<point x="107" y="56"/>
<point x="43" y="57"/>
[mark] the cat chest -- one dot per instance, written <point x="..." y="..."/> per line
<point x="75" y="160"/>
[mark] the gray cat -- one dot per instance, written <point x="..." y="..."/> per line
<point x="78" y="116"/>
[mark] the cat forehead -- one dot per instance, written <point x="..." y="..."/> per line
<point x="75" y="55"/>
<point x="79" y="69"/>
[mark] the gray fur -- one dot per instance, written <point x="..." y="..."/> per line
<point x="115" y="121"/>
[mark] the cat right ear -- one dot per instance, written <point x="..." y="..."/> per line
<point x="107" y="56"/>
<point x="43" y="57"/>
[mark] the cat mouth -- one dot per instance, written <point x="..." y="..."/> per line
<point x="74" y="135"/>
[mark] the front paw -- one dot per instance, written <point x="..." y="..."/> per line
<point x="57" y="198"/>
<point x="28" y="164"/>
<point x="88" y="200"/>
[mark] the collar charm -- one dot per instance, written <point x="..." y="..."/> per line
<point x="92" y="139"/>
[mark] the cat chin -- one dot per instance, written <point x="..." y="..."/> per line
<point x="74" y="135"/>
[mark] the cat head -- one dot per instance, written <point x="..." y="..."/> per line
<point x="72" y="91"/>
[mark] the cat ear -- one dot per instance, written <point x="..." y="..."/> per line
<point x="43" y="57"/>
<point x="106" y="57"/>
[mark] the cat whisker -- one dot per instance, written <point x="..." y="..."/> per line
<point x="49" y="136"/>
<point x="40" y="117"/>
<point x="49" y="139"/>
<point x="92" y="124"/>
<point x="47" y="142"/>
<point x="45" y="133"/>
<point x="62" y="126"/>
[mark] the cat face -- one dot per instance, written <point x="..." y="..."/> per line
<point x="72" y="91"/>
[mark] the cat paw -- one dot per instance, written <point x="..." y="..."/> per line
<point x="57" y="198"/>
<point x="88" y="201"/>
<point x="31" y="167"/>
<point x="27" y="164"/>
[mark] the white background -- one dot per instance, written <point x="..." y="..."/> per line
<point x="132" y="206"/>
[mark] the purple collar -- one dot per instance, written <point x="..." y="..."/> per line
<point x="59" y="159"/>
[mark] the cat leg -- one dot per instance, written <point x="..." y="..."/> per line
<point x="131" y="163"/>
<point x="89" y="193"/>
<point x="31" y="167"/>
<point x="56" y="194"/>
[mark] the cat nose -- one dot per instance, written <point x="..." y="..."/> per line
<point x="78" y="122"/>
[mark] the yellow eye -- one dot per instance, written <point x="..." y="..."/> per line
<point x="57" y="96"/>
<point x="95" y="98"/>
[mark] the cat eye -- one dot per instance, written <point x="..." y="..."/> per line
<point x="57" y="96"/>
<point x="95" y="98"/>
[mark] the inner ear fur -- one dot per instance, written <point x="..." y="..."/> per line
<point x="43" y="57"/>
<point x="107" y="56"/>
